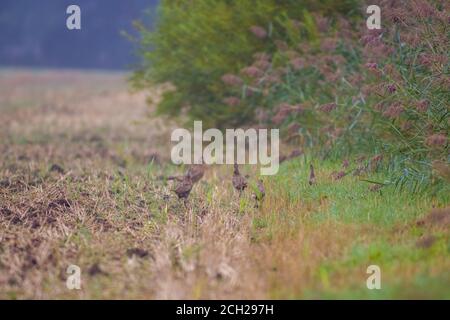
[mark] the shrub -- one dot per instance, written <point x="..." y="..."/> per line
<point x="408" y="89"/>
<point x="303" y="67"/>
<point x="198" y="46"/>
<point x="386" y="94"/>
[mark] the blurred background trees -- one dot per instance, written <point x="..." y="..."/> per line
<point x="34" y="34"/>
<point x="197" y="43"/>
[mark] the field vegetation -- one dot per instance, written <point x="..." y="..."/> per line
<point x="86" y="176"/>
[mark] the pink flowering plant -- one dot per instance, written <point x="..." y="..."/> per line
<point x="407" y="88"/>
<point x="379" y="97"/>
<point x="346" y="93"/>
<point x="205" y="49"/>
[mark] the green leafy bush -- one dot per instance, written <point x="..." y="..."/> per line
<point x="196" y="43"/>
<point x="328" y="83"/>
<point x="382" y="94"/>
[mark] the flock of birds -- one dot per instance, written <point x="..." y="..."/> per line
<point x="196" y="172"/>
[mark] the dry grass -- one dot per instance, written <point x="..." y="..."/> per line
<point x="106" y="211"/>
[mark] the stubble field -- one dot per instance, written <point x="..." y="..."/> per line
<point x="82" y="170"/>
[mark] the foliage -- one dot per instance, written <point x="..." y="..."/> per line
<point x="195" y="43"/>
<point x="382" y="92"/>
<point x="408" y="90"/>
<point x="321" y="77"/>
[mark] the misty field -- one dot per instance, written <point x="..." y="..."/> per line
<point x="82" y="181"/>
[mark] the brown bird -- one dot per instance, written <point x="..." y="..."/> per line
<point x="196" y="172"/>
<point x="57" y="168"/>
<point x="261" y="189"/>
<point x="239" y="182"/>
<point x="295" y="153"/>
<point x="260" y="192"/>
<point x="312" y="176"/>
<point x="183" y="189"/>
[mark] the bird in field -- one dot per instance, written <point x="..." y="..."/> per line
<point x="183" y="188"/>
<point x="261" y="189"/>
<point x="196" y="172"/>
<point x="57" y="168"/>
<point x="239" y="182"/>
<point x="295" y="153"/>
<point x="312" y="175"/>
<point x="259" y="193"/>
